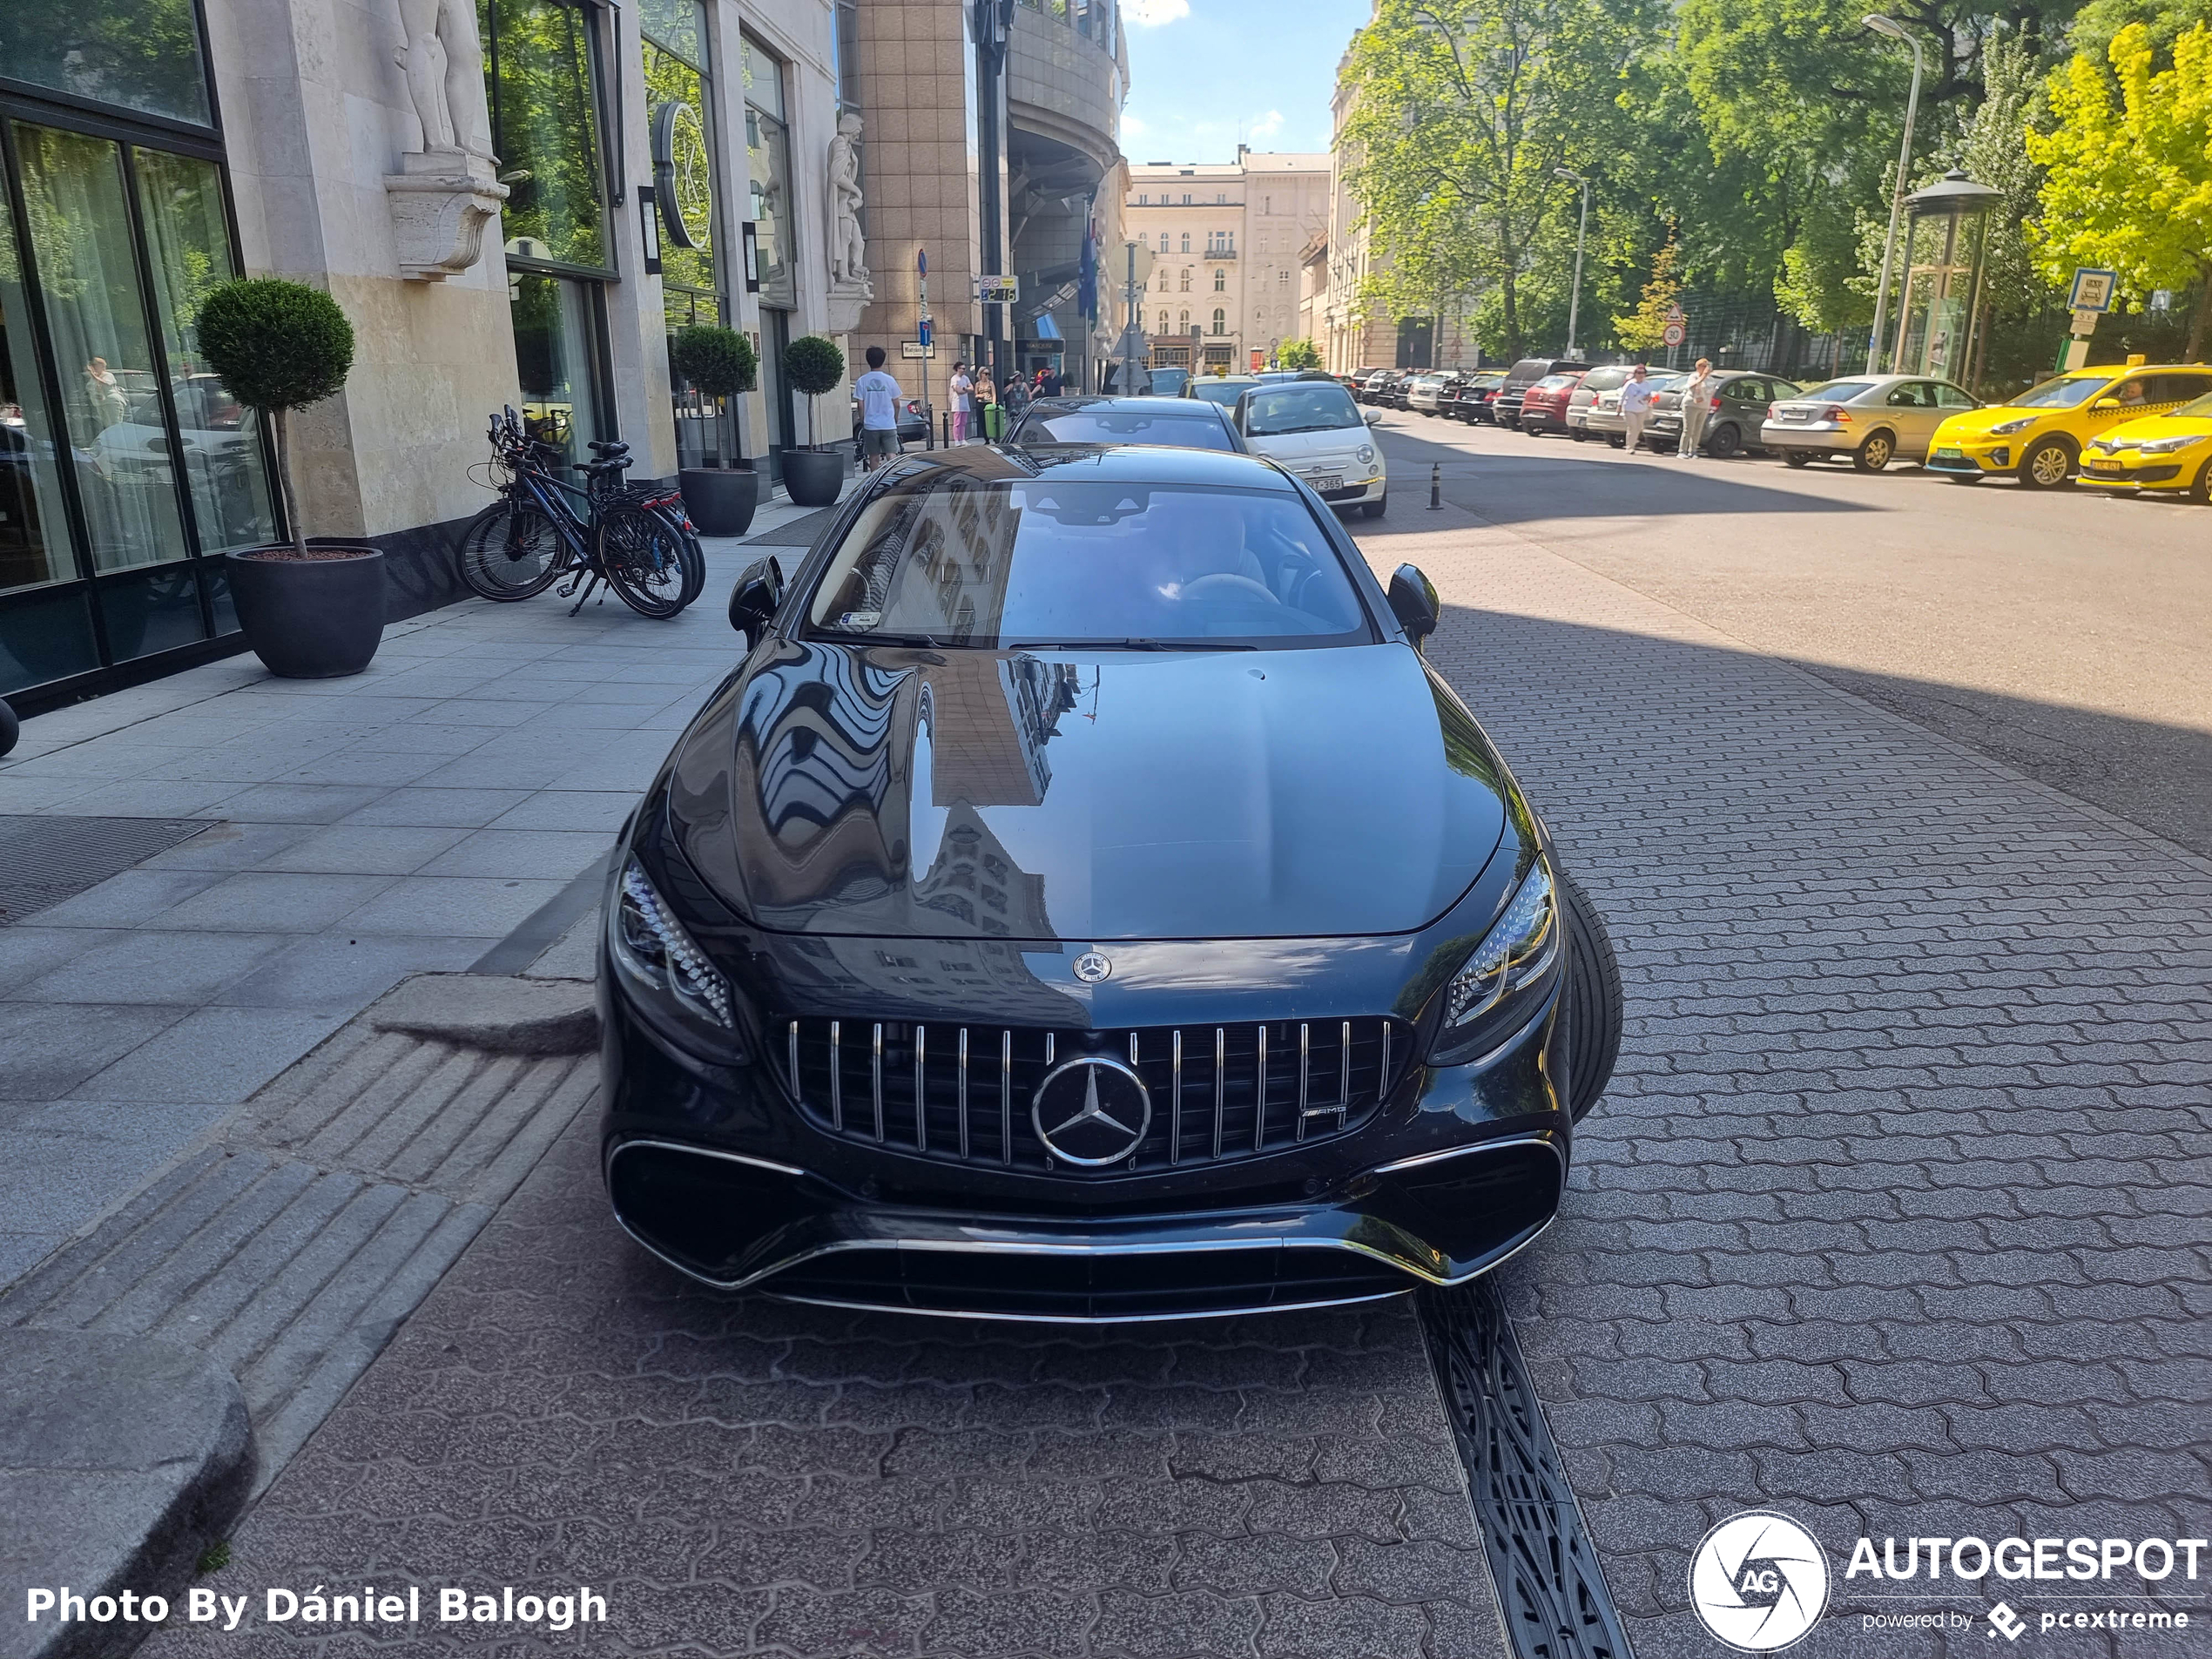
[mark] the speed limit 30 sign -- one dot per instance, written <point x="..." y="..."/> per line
<point x="1673" y="334"/>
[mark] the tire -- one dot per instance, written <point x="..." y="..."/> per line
<point x="1375" y="508"/>
<point x="2200" y="492"/>
<point x="1616" y="440"/>
<point x="1796" y="457"/>
<point x="1590" y="1002"/>
<point x="1725" y="443"/>
<point x="644" y="562"/>
<point x="511" y="551"/>
<point x="1874" y="453"/>
<point x="1578" y="434"/>
<point x="2047" y="465"/>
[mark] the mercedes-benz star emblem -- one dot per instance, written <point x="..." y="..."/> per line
<point x="1091" y="967"/>
<point x="1091" y="1111"/>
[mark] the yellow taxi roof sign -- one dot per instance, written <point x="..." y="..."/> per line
<point x="2135" y="362"/>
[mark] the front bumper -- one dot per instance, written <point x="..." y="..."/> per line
<point x="2129" y="474"/>
<point x="714" y="1169"/>
<point x="1974" y="457"/>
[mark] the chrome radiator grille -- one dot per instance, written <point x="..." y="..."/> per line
<point x="962" y="1094"/>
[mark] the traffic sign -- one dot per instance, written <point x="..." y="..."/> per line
<point x="2093" y="289"/>
<point x="917" y="349"/>
<point x="998" y="290"/>
<point x="1674" y="314"/>
<point x="1674" y="334"/>
<point x="2085" y="322"/>
<point x="1137" y="261"/>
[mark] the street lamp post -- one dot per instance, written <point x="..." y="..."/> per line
<point x="1574" y="300"/>
<point x="1883" y="25"/>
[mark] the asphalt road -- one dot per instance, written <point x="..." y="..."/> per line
<point x="2065" y="633"/>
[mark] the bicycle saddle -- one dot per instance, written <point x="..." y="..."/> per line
<point x="607" y="463"/>
<point x="602" y="446"/>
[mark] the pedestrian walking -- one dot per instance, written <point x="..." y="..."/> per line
<point x="1050" y="383"/>
<point x="1696" y="400"/>
<point x="1636" y="407"/>
<point x="963" y="395"/>
<point x="879" y="395"/>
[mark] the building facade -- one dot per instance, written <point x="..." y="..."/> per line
<point x="515" y="202"/>
<point x="1228" y="245"/>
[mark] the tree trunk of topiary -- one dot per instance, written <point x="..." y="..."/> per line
<point x="284" y="482"/>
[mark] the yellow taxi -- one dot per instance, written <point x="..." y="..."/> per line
<point x="2172" y="451"/>
<point x="2040" y="436"/>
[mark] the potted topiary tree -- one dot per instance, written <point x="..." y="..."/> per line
<point x="814" y="475"/>
<point x="719" y="363"/>
<point x="309" y="612"/>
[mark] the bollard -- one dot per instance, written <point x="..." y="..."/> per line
<point x="1435" y="486"/>
<point x="946" y="419"/>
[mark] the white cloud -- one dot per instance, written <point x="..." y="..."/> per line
<point x="1268" y="125"/>
<point x="1151" y="14"/>
<point x="1132" y="127"/>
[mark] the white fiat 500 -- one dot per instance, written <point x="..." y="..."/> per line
<point x="1314" y="429"/>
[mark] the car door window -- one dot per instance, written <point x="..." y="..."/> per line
<point x="1952" y="397"/>
<point x="1911" y="394"/>
<point x="2174" y="389"/>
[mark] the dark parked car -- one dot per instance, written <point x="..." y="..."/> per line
<point x="913" y="421"/>
<point x="1543" y="407"/>
<point x="1371" y="383"/>
<point x="1470" y="401"/>
<point x="1191" y="422"/>
<point x="1736" y="407"/>
<point x="1506" y="408"/>
<point x="1083" y="902"/>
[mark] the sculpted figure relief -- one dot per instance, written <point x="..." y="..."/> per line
<point x="445" y="75"/>
<point x="848" y="246"/>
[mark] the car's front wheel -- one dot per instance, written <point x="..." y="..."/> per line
<point x="2047" y="465"/>
<point x="1374" y="508"/>
<point x="1592" y="1000"/>
<point x="2201" y="491"/>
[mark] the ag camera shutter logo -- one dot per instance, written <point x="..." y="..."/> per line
<point x="1759" y="1582"/>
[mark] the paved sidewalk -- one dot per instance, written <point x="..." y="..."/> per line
<point x="361" y="829"/>
<point x="1894" y="1218"/>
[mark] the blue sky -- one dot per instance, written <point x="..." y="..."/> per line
<point x="1204" y="73"/>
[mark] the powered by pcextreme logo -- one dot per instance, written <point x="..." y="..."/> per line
<point x="1759" y="1581"/>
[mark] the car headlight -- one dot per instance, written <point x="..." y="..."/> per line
<point x="2006" y="428"/>
<point x="1365" y="454"/>
<point x="2167" y="446"/>
<point x="660" y="962"/>
<point x="1509" y="976"/>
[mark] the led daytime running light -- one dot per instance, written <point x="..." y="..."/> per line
<point x="690" y="976"/>
<point x="1517" y="948"/>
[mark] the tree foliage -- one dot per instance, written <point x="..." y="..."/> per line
<point x="1298" y="353"/>
<point x="1463" y="110"/>
<point x="2129" y="171"/>
<point x="277" y="346"/>
<point x="719" y="362"/>
<point x="1645" y="329"/>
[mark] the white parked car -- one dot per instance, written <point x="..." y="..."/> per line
<point x="1314" y="429"/>
<point x="1424" y="393"/>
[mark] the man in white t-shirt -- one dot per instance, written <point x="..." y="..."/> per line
<point x="878" y="395"/>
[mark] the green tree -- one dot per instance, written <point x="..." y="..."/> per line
<point x="2129" y="177"/>
<point x="1298" y="353"/>
<point x="1462" y="110"/>
<point x="812" y="365"/>
<point x="1645" y="329"/>
<point x="277" y="347"/>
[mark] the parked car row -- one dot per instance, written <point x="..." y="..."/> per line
<point x="2125" y="427"/>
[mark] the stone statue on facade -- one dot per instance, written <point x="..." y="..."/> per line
<point x="446" y="191"/>
<point x="850" y="285"/>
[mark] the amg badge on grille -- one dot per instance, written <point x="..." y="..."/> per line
<point x="1091" y="1111"/>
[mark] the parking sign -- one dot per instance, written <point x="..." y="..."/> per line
<point x="2092" y="290"/>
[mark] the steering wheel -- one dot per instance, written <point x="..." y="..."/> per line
<point x="1224" y="585"/>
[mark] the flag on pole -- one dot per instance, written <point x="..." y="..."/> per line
<point x="1087" y="283"/>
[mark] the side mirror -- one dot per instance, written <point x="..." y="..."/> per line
<point x="1412" y="601"/>
<point x="2105" y="403"/>
<point x="1374" y="417"/>
<point x="754" y="601"/>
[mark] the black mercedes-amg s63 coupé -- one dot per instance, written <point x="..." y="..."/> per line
<point x="1083" y="902"/>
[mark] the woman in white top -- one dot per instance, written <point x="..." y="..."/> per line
<point x="962" y="402"/>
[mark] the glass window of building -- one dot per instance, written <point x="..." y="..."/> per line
<point x="846" y="42"/>
<point x="679" y="117"/>
<point x="768" y="185"/>
<point x="142" y="54"/>
<point x="545" y="128"/>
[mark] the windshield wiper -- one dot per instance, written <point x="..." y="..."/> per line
<point x="872" y="638"/>
<point x="1126" y="644"/>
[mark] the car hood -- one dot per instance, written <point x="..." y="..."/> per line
<point x="835" y="789"/>
<point x="1297" y="445"/>
<point x="2151" y="428"/>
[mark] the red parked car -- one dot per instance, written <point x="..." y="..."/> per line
<point x="1544" y="409"/>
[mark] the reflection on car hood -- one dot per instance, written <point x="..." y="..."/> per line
<point x="842" y="789"/>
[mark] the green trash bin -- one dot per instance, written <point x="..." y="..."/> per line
<point x="995" y="422"/>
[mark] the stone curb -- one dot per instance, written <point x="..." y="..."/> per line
<point x="122" y="1458"/>
<point x="496" y="1012"/>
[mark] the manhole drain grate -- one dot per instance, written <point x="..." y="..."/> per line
<point x="1549" y="1584"/>
<point x="44" y="859"/>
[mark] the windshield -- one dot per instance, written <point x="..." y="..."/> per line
<point x="1308" y="406"/>
<point x="956" y="562"/>
<point x="2059" y="394"/>
<point x="1191" y="431"/>
<point x="1219" y="391"/>
<point x="1169" y="382"/>
<point x="2202" y="408"/>
<point x="1552" y="382"/>
<point x="1839" y="391"/>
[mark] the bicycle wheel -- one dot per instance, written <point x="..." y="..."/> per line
<point x="644" y="561"/>
<point x="511" y="551"/>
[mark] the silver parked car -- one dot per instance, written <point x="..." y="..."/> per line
<point x="1872" y="419"/>
<point x="1424" y="393"/>
<point x="1585" y="397"/>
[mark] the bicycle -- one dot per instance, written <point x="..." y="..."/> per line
<point x="634" y="537"/>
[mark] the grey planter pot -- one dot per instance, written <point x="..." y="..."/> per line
<point x="311" y="619"/>
<point x="10" y="728"/>
<point x="812" y="477"/>
<point x="720" y="500"/>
